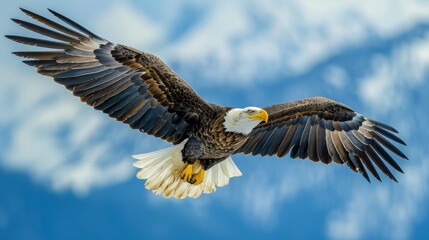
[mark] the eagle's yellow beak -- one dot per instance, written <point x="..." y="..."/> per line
<point x="262" y="115"/>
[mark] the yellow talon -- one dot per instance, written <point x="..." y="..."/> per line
<point x="198" y="178"/>
<point x="186" y="174"/>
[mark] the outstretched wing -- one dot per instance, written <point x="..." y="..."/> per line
<point x="134" y="87"/>
<point x="327" y="131"/>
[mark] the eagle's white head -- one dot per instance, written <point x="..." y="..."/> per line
<point x="243" y="120"/>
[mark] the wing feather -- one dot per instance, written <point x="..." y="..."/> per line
<point x="304" y="139"/>
<point x="312" y="149"/>
<point x="326" y="131"/>
<point x="286" y="143"/>
<point x="389" y="135"/>
<point x="131" y="86"/>
<point x="322" y="149"/>
<point x="269" y="141"/>
<point x="277" y="140"/>
<point x="297" y="136"/>
<point x="368" y="164"/>
<point x="331" y="148"/>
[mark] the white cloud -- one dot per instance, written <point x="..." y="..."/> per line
<point x="230" y="44"/>
<point x="384" y="210"/>
<point x="390" y="210"/>
<point x="391" y="78"/>
<point x="246" y="41"/>
<point x="89" y="173"/>
<point x="52" y="135"/>
<point x="125" y="24"/>
<point x="405" y="69"/>
<point x="272" y="182"/>
<point x="336" y="77"/>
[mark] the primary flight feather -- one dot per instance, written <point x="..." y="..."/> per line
<point x="139" y="89"/>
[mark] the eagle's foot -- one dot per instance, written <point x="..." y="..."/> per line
<point x="198" y="178"/>
<point x="186" y="174"/>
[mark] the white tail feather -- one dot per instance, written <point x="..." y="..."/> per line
<point x="162" y="170"/>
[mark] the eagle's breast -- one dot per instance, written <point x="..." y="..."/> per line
<point x="218" y="142"/>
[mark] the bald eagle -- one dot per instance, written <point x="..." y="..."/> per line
<point x="139" y="89"/>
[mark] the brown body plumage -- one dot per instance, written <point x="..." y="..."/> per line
<point x="139" y="89"/>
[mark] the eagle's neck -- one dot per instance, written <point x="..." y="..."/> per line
<point x="236" y="122"/>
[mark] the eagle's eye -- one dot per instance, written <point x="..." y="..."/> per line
<point x="250" y="112"/>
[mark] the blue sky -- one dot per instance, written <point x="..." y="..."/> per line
<point x="65" y="169"/>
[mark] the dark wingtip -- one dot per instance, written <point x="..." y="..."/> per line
<point x="392" y="177"/>
<point x="384" y="125"/>
<point x="27" y="12"/>
<point x="28" y="62"/>
<point x="56" y="14"/>
<point x="400" y="141"/>
<point x="16" y="54"/>
<point x="11" y="37"/>
<point x="390" y="128"/>
<point x="389" y="135"/>
<point x="378" y="177"/>
<point x="365" y="175"/>
<point x="367" y="179"/>
<point x="76" y="25"/>
<point x="53" y="12"/>
<point x="17" y="21"/>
